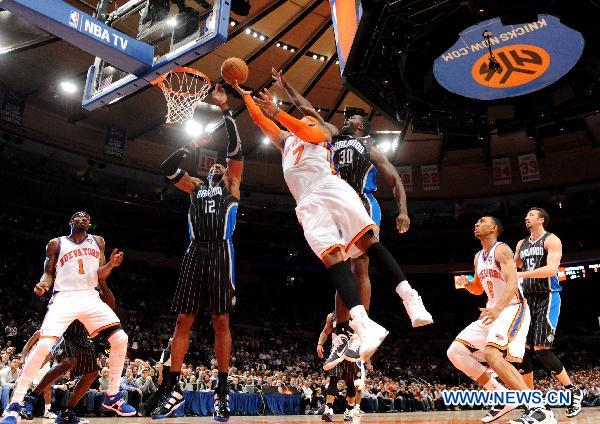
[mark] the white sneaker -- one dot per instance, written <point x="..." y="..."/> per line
<point x="371" y="336"/>
<point x="49" y="415"/>
<point x="497" y="411"/>
<point x="327" y="415"/>
<point x="355" y="415"/>
<point x="416" y="310"/>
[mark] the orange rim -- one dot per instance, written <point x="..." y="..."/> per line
<point x="180" y="70"/>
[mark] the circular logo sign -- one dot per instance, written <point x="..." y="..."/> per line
<point x="520" y="64"/>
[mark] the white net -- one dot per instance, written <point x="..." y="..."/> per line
<point x="183" y="90"/>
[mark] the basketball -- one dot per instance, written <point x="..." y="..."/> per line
<point x="234" y="70"/>
<point x="475" y="287"/>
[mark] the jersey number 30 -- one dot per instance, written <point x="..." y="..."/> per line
<point x="346" y="157"/>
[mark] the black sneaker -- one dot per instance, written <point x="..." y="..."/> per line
<point x="538" y="415"/>
<point x="168" y="404"/>
<point x="496" y="412"/>
<point x="575" y="407"/>
<point x="222" y="412"/>
<point x="338" y="345"/>
<point x="352" y="351"/>
<point x="28" y="403"/>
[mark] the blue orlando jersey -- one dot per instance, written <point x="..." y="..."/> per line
<point x="352" y="159"/>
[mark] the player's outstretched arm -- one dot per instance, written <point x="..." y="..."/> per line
<point x="47" y="279"/>
<point x="301" y="102"/>
<point x="268" y="127"/>
<point x="504" y="256"/>
<point x="392" y="178"/>
<point x="235" y="156"/>
<point x="179" y="177"/>
<point x="554" y="247"/>
<point x="314" y="133"/>
<point x="106" y="293"/>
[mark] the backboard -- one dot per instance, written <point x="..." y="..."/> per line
<point x="179" y="32"/>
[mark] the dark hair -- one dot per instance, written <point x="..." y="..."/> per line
<point x="542" y="214"/>
<point x="498" y="224"/>
<point x="79" y="213"/>
<point x="366" y="124"/>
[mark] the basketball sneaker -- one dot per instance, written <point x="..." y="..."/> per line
<point x="327" y="414"/>
<point x="352" y="351"/>
<point x="416" y="311"/>
<point x="49" y="415"/>
<point x="28" y="404"/>
<point x="371" y="336"/>
<point x="338" y="345"/>
<point x="69" y="417"/>
<point x="116" y="403"/>
<point x="496" y="412"/>
<point x="537" y="415"/>
<point x="168" y="404"/>
<point x="575" y="407"/>
<point x="356" y="415"/>
<point x="221" y="413"/>
<point x="12" y="414"/>
<point x="348" y="415"/>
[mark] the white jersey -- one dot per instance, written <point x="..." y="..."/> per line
<point x="490" y="275"/>
<point x="305" y="165"/>
<point x="77" y="264"/>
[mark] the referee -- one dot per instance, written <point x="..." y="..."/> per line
<point x="207" y="277"/>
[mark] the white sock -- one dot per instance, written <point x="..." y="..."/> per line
<point x="404" y="290"/>
<point x="116" y="360"/>
<point x="359" y="314"/>
<point x="47" y="407"/>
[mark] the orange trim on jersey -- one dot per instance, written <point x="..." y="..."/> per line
<point x="359" y="235"/>
<point x="502" y="348"/>
<point x="511" y="358"/>
<point x="466" y="343"/>
<point x="104" y="327"/>
<point x="510" y="339"/>
<point x="332" y="248"/>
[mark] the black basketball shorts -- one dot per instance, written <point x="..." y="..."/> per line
<point x="544" y="309"/>
<point x="206" y="279"/>
<point x="82" y="350"/>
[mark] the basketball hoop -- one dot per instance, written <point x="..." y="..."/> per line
<point x="183" y="88"/>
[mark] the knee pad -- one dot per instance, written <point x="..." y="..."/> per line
<point x="350" y="389"/>
<point x="118" y="340"/>
<point x="332" y="387"/>
<point x="550" y="360"/>
<point x="526" y="365"/>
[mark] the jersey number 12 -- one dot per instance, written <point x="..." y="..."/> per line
<point x="209" y="206"/>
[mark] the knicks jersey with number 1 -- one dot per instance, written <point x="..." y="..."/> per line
<point x="77" y="264"/>
<point x="305" y="165"/>
<point x="492" y="280"/>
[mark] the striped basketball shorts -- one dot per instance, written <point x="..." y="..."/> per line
<point x="207" y="279"/>
<point x="81" y="349"/>
<point x="545" y="309"/>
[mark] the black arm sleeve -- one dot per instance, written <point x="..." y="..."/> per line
<point x="170" y="167"/>
<point x="234" y="146"/>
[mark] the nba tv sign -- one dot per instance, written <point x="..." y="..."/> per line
<point x="532" y="56"/>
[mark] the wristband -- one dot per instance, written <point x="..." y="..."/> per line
<point x="277" y="110"/>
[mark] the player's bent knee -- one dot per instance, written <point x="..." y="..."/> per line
<point x="333" y="258"/>
<point x="456" y="351"/>
<point x="549" y="360"/>
<point x="492" y="355"/>
<point x="184" y="322"/>
<point x="118" y="339"/>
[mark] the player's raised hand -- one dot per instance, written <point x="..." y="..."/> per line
<point x="278" y="77"/>
<point x="40" y="288"/>
<point x="488" y="315"/>
<point x="116" y="258"/>
<point x="240" y="90"/>
<point x="266" y="102"/>
<point x="219" y="96"/>
<point x="402" y="223"/>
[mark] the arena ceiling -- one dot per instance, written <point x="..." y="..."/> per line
<point x="33" y="63"/>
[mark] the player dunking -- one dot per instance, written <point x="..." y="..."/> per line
<point x="74" y="264"/>
<point x="358" y="162"/>
<point x="335" y="223"/>
<point x="499" y="333"/>
<point x="538" y="256"/>
<point x="207" y="277"/>
<point x="345" y="370"/>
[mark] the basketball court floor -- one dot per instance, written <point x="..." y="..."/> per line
<point x="587" y="416"/>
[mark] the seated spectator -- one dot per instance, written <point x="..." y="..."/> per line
<point x="235" y="385"/>
<point x="10" y="373"/>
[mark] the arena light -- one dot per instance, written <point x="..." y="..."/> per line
<point x="255" y="34"/>
<point x="68" y="87"/>
<point x="172" y="22"/>
<point x="248" y="31"/>
<point x="292" y="50"/>
<point x="278" y="44"/>
<point x="232" y="23"/>
<point x="193" y="128"/>
<point x="314" y="56"/>
<point x="386" y="146"/>
<point x="266" y="140"/>
<point x="285" y="47"/>
<point x="210" y="127"/>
